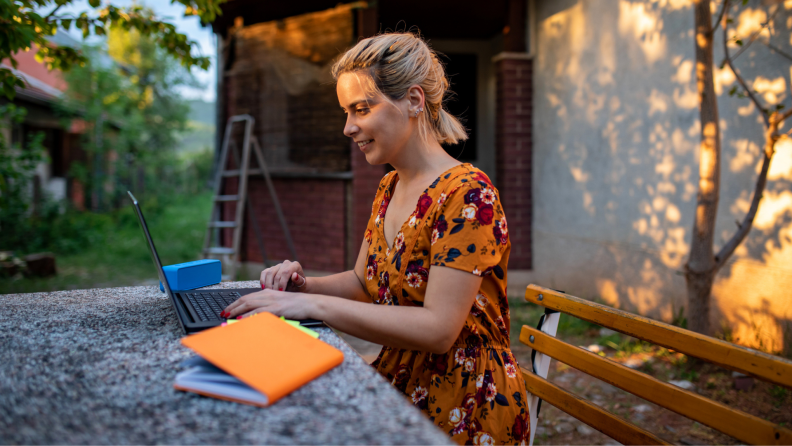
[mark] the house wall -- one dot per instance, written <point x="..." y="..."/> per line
<point x="615" y="163"/>
<point x="279" y="72"/>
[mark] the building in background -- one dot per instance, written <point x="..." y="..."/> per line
<point x="40" y="98"/>
<point x="583" y="112"/>
<point x="274" y="63"/>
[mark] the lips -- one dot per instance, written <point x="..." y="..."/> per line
<point x="364" y="144"/>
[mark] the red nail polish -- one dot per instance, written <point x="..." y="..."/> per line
<point x="239" y="317"/>
<point x="280" y="289"/>
<point x="262" y="286"/>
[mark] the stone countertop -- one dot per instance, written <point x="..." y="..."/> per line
<point x="97" y="366"/>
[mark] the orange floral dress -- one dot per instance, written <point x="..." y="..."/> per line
<point x="475" y="391"/>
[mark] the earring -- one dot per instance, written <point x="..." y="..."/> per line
<point x="418" y="111"/>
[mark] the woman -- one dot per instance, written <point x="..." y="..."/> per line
<point x="435" y="270"/>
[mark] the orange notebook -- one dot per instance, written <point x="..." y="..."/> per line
<point x="262" y="352"/>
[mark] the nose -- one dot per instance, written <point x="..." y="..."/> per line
<point x="350" y="128"/>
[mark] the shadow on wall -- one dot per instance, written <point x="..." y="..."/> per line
<point x="615" y="156"/>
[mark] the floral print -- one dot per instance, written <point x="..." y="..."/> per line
<point x="475" y="391"/>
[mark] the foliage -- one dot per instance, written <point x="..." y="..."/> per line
<point x="17" y="167"/>
<point x="22" y="26"/>
<point x="115" y="254"/>
<point x="133" y="115"/>
<point x="679" y="319"/>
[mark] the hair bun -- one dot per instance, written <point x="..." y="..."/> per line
<point x="397" y="61"/>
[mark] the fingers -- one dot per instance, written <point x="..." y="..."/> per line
<point x="298" y="280"/>
<point x="278" y="276"/>
<point x="267" y="277"/>
<point x="281" y="279"/>
<point x="244" y="305"/>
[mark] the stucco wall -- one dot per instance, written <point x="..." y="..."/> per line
<point x="616" y="166"/>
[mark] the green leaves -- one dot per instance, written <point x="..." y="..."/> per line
<point x="22" y="27"/>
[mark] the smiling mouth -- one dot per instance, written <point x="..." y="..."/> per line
<point x="363" y="144"/>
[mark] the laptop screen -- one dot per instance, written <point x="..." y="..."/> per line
<point x="152" y="249"/>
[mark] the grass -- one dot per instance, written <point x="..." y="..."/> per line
<point x="119" y="256"/>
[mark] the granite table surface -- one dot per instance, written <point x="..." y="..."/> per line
<point x="97" y="367"/>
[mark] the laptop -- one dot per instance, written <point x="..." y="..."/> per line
<point x="197" y="310"/>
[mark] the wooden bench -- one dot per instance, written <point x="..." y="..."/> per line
<point x="740" y="425"/>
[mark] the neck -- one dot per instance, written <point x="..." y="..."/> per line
<point x="421" y="159"/>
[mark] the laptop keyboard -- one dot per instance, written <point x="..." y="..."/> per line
<point x="209" y="305"/>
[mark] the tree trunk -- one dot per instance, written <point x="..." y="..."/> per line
<point x="701" y="266"/>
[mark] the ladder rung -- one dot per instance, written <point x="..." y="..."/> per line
<point x="222" y="224"/>
<point x="235" y="172"/>
<point x="227" y="198"/>
<point x="219" y="250"/>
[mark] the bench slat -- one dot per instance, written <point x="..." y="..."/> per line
<point x="740" y="425"/>
<point x="609" y="424"/>
<point x="762" y="365"/>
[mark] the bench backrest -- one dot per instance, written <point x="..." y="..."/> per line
<point x="733" y="422"/>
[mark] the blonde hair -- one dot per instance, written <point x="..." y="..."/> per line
<point x="397" y="61"/>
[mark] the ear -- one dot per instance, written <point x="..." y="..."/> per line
<point x="415" y="95"/>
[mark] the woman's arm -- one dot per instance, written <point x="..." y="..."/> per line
<point x="348" y="284"/>
<point x="434" y="327"/>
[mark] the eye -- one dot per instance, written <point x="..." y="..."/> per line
<point x="362" y="111"/>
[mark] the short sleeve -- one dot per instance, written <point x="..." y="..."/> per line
<point x="469" y="231"/>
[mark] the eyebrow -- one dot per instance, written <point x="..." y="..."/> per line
<point x="354" y="104"/>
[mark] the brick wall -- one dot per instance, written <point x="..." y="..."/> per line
<point x="314" y="210"/>
<point x="279" y="73"/>
<point x="364" y="188"/>
<point x="514" y="152"/>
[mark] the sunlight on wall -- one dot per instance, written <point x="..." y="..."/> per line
<point x="723" y="78"/>
<point x="750" y="21"/>
<point x="773" y="207"/>
<point x="781" y="164"/>
<point x="607" y="289"/>
<point x="745" y="154"/>
<point x="568" y="24"/>
<point x="748" y="289"/>
<point x="616" y="148"/>
<point x="657" y="102"/>
<point x="747" y="296"/>
<point x="771" y="90"/>
<point x="638" y="22"/>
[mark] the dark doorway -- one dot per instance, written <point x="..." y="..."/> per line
<point x="461" y="70"/>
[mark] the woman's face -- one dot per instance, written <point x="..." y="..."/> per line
<point x="381" y="128"/>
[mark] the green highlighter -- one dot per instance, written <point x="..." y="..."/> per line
<point x="294" y="324"/>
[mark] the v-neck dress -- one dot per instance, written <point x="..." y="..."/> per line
<point x="475" y="391"/>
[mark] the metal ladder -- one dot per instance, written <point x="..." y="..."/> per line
<point x="230" y="255"/>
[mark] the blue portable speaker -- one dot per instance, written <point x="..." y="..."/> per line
<point x="191" y="275"/>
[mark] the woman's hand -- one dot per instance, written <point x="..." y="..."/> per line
<point x="294" y="306"/>
<point x="286" y="276"/>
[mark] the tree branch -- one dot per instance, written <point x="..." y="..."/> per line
<point x="53" y="12"/>
<point x="720" y="16"/>
<point x="755" y="35"/>
<point x="745" y="227"/>
<point x="777" y="50"/>
<point x="734" y="70"/>
<point x="782" y="117"/>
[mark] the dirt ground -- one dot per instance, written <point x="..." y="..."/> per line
<point x="763" y="400"/>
